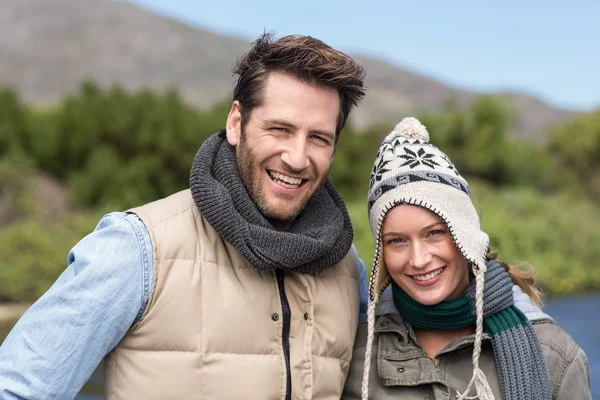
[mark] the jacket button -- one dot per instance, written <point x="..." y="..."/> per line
<point x="400" y="369"/>
<point x="275" y="317"/>
<point x="306" y="316"/>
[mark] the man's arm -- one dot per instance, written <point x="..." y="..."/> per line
<point x="364" y="290"/>
<point x="57" y="344"/>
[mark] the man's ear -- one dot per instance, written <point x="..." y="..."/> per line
<point x="234" y="124"/>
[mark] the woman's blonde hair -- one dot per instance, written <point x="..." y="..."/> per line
<point x="521" y="278"/>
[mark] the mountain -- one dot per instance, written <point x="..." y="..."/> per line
<point x="48" y="46"/>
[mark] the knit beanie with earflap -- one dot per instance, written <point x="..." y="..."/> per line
<point x="410" y="170"/>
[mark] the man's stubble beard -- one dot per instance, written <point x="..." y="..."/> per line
<point x="246" y="163"/>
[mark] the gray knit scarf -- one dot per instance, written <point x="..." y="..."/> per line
<point x="521" y="366"/>
<point x="319" y="238"/>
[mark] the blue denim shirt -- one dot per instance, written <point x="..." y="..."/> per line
<point x="58" y="343"/>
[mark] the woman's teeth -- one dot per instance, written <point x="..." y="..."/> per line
<point x="428" y="276"/>
<point x="285" y="181"/>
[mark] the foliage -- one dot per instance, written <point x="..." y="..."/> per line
<point x="16" y="199"/>
<point x="13" y="123"/>
<point x="576" y="144"/>
<point x="557" y="234"/>
<point x="114" y="149"/>
<point x="353" y="161"/>
<point x="477" y="141"/>
<point x="33" y="255"/>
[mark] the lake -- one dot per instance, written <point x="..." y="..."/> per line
<point x="578" y="315"/>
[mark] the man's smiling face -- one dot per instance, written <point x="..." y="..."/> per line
<point x="286" y="147"/>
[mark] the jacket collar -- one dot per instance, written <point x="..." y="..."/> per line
<point x="521" y="300"/>
<point x="401" y="361"/>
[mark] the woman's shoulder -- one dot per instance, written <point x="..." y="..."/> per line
<point x="567" y="363"/>
<point x="555" y="339"/>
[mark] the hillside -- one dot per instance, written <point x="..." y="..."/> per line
<point x="48" y="46"/>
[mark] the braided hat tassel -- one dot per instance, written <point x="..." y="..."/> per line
<point x="482" y="386"/>
<point x="370" y="338"/>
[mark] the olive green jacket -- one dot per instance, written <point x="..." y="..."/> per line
<point x="400" y="369"/>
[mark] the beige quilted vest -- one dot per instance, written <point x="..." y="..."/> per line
<point x="211" y="329"/>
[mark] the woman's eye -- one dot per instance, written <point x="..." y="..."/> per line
<point x="395" y="241"/>
<point x="437" y="232"/>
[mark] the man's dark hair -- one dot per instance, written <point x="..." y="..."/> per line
<point x="304" y="58"/>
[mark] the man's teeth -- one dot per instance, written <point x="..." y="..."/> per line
<point x="429" y="276"/>
<point x="286" y="181"/>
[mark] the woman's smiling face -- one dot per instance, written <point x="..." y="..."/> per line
<point x="421" y="256"/>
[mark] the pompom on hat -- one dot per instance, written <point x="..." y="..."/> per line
<point x="411" y="128"/>
<point x="410" y="170"/>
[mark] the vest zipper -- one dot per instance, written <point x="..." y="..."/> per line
<point x="287" y="316"/>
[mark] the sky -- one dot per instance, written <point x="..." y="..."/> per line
<point x="549" y="49"/>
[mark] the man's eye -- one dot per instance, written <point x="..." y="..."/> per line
<point x="322" y="139"/>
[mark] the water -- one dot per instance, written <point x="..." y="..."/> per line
<point x="578" y="315"/>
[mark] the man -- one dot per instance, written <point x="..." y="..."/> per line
<point x="244" y="286"/>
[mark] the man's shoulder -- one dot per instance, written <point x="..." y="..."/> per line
<point x="350" y="264"/>
<point x="163" y="209"/>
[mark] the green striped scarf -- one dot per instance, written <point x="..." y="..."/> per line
<point x="521" y="366"/>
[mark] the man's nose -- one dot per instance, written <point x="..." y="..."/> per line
<point x="295" y="154"/>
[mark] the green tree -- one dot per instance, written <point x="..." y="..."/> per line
<point x="120" y="148"/>
<point x="576" y="144"/>
<point x="13" y="123"/>
<point x="477" y="140"/>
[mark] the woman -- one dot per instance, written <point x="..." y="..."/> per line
<point x="454" y="330"/>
